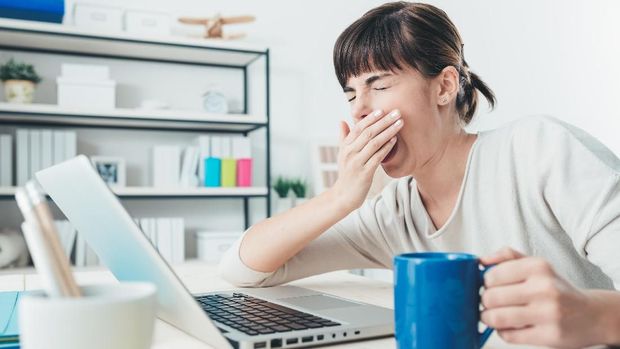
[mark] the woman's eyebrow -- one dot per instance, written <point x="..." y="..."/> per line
<point x="368" y="81"/>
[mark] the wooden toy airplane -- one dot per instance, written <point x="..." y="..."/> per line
<point x="214" y="25"/>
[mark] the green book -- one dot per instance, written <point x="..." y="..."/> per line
<point x="229" y="172"/>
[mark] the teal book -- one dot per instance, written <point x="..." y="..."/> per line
<point x="9" y="333"/>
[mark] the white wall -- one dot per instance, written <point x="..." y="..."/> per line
<point x="552" y="57"/>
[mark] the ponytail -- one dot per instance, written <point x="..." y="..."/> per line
<point x="467" y="99"/>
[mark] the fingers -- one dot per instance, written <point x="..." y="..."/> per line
<point x="344" y="130"/>
<point x="375" y="160"/>
<point x="515" y="271"/>
<point x="509" y="317"/>
<point x="502" y="255"/>
<point x="503" y="296"/>
<point x="380" y="140"/>
<point x="370" y="133"/>
<point x="532" y="335"/>
<point x="362" y="125"/>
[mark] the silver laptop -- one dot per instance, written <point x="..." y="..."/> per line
<point x="276" y="317"/>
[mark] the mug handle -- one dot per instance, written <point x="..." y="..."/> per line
<point x="484" y="336"/>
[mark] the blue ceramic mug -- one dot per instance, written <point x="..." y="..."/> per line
<point x="437" y="301"/>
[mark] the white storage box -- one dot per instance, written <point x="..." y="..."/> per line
<point x="212" y="245"/>
<point x="147" y="23"/>
<point x="84" y="71"/>
<point x="97" y="17"/>
<point x="87" y="94"/>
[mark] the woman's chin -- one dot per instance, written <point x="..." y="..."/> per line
<point x="394" y="171"/>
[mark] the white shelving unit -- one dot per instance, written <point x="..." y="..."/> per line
<point x="151" y="192"/>
<point x="46" y="38"/>
<point x="50" y="114"/>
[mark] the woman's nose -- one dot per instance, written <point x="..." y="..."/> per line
<point x="361" y="108"/>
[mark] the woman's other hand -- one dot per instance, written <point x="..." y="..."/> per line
<point x="361" y="150"/>
<point x="528" y="303"/>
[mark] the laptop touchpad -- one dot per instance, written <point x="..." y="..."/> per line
<point x="318" y="302"/>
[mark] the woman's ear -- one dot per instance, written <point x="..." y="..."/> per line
<point x="448" y="85"/>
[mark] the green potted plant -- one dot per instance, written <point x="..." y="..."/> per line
<point x="19" y="81"/>
<point x="283" y="201"/>
<point x="300" y="189"/>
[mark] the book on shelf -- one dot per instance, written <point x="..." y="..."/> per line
<point x="6" y="160"/>
<point x="167" y="235"/>
<point x="166" y="165"/>
<point x="22" y="151"/>
<point x="35" y="151"/>
<point x="38" y="149"/>
<point x="75" y="246"/>
<point x="204" y="152"/>
<point x="189" y="167"/>
<point x="47" y="149"/>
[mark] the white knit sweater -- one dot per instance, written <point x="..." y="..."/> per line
<point x="538" y="185"/>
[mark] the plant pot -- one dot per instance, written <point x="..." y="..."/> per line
<point x="19" y="91"/>
<point x="282" y="204"/>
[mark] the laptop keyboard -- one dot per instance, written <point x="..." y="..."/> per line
<point x="255" y="316"/>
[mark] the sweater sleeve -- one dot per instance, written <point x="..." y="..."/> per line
<point x="354" y="242"/>
<point x="581" y="184"/>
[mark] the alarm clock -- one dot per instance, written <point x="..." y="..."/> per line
<point x="214" y="101"/>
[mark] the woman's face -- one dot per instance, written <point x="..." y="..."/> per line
<point x="415" y="98"/>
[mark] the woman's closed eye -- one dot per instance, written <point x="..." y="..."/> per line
<point x="350" y="99"/>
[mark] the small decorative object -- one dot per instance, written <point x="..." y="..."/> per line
<point x="283" y="201"/>
<point x="19" y="81"/>
<point x="13" y="250"/>
<point x="214" y="101"/>
<point x="111" y="169"/>
<point x="213" y="26"/>
<point x="300" y="189"/>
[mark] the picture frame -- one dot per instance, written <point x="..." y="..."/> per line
<point x="112" y="170"/>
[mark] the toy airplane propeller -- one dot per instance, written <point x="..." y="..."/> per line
<point x="214" y="25"/>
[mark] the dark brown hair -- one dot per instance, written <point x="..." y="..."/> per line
<point x="400" y="34"/>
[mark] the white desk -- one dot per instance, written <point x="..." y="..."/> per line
<point x="200" y="277"/>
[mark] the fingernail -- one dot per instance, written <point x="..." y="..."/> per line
<point x="394" y="114"/>
<point x="398" y="123"/>
<point x="393" y="140"/>
<point x="377" y="112"/>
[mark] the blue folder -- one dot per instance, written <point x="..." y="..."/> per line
<point x="33" y="10"/>
<point x="9" y="333"/>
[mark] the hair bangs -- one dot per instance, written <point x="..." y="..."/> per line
<point x="366" y="47"/>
